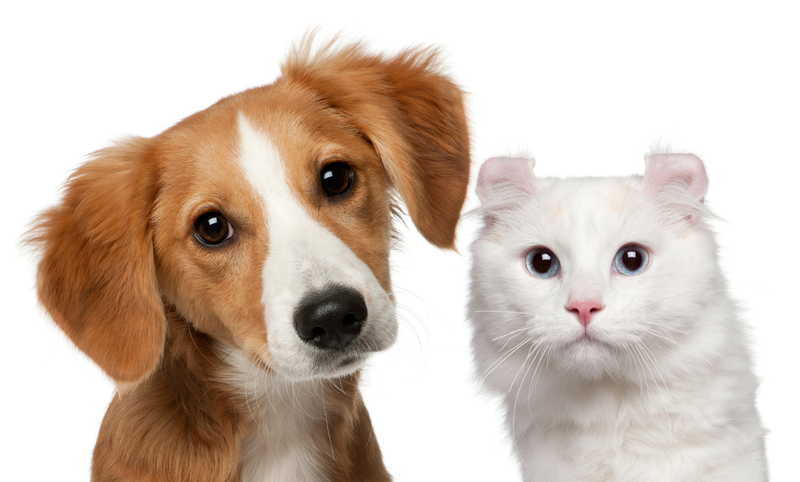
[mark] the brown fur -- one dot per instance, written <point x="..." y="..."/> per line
<point x="124" y="278"/>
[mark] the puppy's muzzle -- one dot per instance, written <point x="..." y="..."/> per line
<point x="331" y="318"/>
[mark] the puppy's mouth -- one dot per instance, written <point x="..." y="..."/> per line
<point x="338" y="366"/>
<point x="330" y="363"/>
<point x="349" y="361"/>
<point x="322" y="366"/>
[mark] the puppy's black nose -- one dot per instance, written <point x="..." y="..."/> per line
<point x="330" y="319"/>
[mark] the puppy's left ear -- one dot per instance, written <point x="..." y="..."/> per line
<point x="413" y="115"/>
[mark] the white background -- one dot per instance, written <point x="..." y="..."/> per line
<point x="586" y="88"/>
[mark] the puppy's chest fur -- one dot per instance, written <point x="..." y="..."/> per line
<point x="289" y="425"/>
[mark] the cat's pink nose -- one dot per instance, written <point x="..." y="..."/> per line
<point x="584" y="310"/>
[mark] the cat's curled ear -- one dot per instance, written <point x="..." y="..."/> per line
<point x="504" y="182"/>
<point x="501" y="177"/>
<point x="678" y="182"/>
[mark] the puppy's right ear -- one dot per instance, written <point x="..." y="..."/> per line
<point x="96" y="276"/>
<point x="411" y="113"/>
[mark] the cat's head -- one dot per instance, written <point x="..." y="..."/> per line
<point x="593" y="276"/>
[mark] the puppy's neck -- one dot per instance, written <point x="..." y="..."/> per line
<point x="298" y="425"/>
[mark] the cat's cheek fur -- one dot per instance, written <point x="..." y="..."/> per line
<point x="492" y="349"/>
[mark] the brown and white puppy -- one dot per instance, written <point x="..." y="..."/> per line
<point x="231" y="274"/>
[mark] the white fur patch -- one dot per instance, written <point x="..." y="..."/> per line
<point x="304" y="256"/>
<point x="284" y="447"/>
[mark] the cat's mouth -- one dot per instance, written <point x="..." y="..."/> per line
<point x="587" y="339"/>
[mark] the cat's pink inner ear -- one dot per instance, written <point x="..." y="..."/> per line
<point x="663" y="169"/>
<point x="500" y="174"/>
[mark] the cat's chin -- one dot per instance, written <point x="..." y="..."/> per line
<point x="590" y="358"/>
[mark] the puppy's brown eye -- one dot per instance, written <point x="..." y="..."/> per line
<point x="337" y="178"/>
<point x="212" y="228"/>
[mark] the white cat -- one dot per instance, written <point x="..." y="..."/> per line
<point x="601" y="316"/>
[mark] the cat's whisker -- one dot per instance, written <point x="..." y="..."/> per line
<point x="519" y="389"/>
<point x="516" y="333"/>
<point x="542" y="354"/>
<point x="510" y="334"/>
<point x="509" y="338"/>
<point x="646" y="365"/>
<point x="506" y="312"/>
<point x="661" y="336"/>
<point x="522" y="368"/>
<point x="646" y="356"/>
<point x="649" y="353"/>
<point x="503" y="358"/>
<point x="624" y="352"/>
<point x="533" y="352"/>
<point x="639" y="371"/>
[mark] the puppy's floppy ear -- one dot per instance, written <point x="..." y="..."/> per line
<point x="412" y="114"/>
<point x="97" y="275"/>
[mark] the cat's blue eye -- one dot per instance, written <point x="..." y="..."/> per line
<point x="541" y="262"/>
<point x="631" y="259"/>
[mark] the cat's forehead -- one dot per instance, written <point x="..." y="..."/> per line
<point x="601" y="212"/>
<point x="588" y="195"/>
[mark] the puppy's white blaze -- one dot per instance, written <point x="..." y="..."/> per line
<point x="304" y="256"/>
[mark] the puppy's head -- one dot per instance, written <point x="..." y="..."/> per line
<point x="264" y="220"/>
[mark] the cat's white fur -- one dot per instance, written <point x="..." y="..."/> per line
<point x="663" y="388"/>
